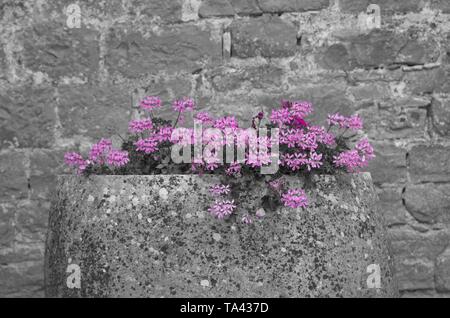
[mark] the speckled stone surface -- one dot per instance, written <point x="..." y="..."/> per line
<point x="151" y="236"/>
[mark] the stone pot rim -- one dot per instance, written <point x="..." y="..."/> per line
<point x="363" y="174"/>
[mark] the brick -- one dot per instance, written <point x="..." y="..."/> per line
<point x="378" y="48"/>
<point x="176" y="49"/>
<point x="27" y="117"/>
<point x="409" y="244"/>
<point x="98" y="9"/>
<point x="94" y="111"/>
<point x="443" y="5"/>
<point x="54" y="49"/>
<point x="23" y="279"/>
<point x="443" y="271"/>
<point x="226" y="79"/>
<point x="391" y="206"/>
<point x="428" y="203"/>
<point x="386" y="6"/>
<point x="373" y="91"/>
<point x="31" y="223"/>
<point x="164" y="11"/>
<point x="265" y="36"/>
<point x="7" y="232"/>
<point x="441" y="116"/>
<point x="414" y="254"/>
<point x="429" y="163"/>
<point x="336" y="57"/>
<point x="394" y="123"/>
<point x="389" y="166"/>
<point x="44" y="166"/>
<point x="428" y="81"/>
<point x="414" y="274"/>
<point x="13" y="181"/>
<point x="246" y="7"/>
<point x="279" y="6"/>
<point x="3" y="64"/>
<point x="215" y="8"/>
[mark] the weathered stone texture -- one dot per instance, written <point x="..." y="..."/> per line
<point x="387" y="6"/>
<point x="184" y="240"/>
<point x="27" y="117"/>
<point x="14" y="180"/>
<point x="276" y="6"/>
<point x="443" y="271"/>
<point x="429" y="163"/>
<point x="94" y="111"/>
<point x="215" y="8"/>
<point x="266" y="36"/>
<point x="175" y="49"/>
<point x="429" y="202"/>
<point x="53" y="49"/>
<point x="379" y="48"/>
<point x="392" y="207"/>
<point x="441" y="116"/>
<point x="389" y="165"/>
<point x="414" y="256"/>
<point x="443" y="5"/>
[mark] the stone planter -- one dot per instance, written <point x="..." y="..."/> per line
<point x="151" y="236"/>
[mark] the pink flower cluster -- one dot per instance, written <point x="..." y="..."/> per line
<point x="222" y="209"/>
<point x="150" y="103"/>
<point x="139" y="126"/>
<point x="75" y="160"/>
<point x="354" y="122"/>
<point x="118" y="158"/>
<point x="220" y="189"/>
<point x="147" y="145"/>
<point x="295" y="198"/>
<point x="101" y="153"/>
<point x="183" y="105"/>
<point x="292" y="113"/>
<point x="354" y="160"/>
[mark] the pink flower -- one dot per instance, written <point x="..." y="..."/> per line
<point x="204" y="117"/>
<point x="351" y="160"/>
<point x="222" y="209"/>
<point x="118" y="158"/>
<point x="280" y="117"/>
<point x="73" y="159"/>
<point x="100" y="150"/>
<point x="323" y="137"/>
<point x="150" y="103"/>
<point x="257" y="159"/>
<point x="148" y="145"/>
<point x="226" y="122"/>
<point x="164" y="134"/>
<point x="315" y="161"/>
<point x="183" y="136"/>
<point x="277" y="185"/>
<point x="183" y="105"/>
<point x="354" y="122"/>
<point x="220" y="189"/>
<point x="139" y="126"/>
<point x="295" y="161"/>
<point x="234" y="169"/>
<point x="295" y="198"/>
<point x="301" y="109"/>
<point x="356" y="159"/>
<point x="246" y="219"/>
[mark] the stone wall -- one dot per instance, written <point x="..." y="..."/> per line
<point x="62" y="87"/>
